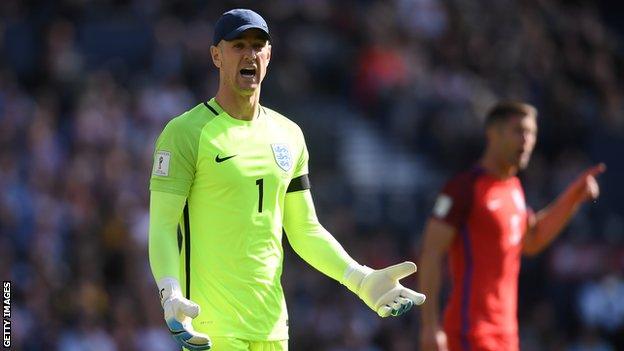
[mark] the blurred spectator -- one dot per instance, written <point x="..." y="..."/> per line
<point x="601" y="304"/>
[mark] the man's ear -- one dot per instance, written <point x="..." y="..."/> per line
<point x="492" y="132"/>
<point x="215" y="52"/>
<point x="269" y="55"/>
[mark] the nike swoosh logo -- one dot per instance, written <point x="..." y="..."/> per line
<point x="219" y="160"/>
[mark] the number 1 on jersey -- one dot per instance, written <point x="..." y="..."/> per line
<point x="260" y="184"/>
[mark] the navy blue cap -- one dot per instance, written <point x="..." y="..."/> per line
<point x="232" y="23"/>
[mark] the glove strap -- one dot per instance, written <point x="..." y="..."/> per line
<point x="354" y="276"/>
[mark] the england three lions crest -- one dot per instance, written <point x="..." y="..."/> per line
<point x="282" y="156"/>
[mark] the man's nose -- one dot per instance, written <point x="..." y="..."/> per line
<point x="251" y="53"/>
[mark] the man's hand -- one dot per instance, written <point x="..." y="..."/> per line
<point x="381" y="290"/>
<point x="179" y="312"/>
<point x="585" y="187"/>
<point x="433" y="339"/>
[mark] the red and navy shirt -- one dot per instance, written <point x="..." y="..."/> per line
<point x="490" y="218"/>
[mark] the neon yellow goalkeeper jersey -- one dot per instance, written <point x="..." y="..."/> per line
<point x="235" y="175"/>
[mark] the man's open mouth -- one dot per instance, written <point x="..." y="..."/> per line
<point x="248" y="72"/>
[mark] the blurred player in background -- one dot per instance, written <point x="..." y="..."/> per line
<point x="481" y="221"/>
<point x="228" y="175"/>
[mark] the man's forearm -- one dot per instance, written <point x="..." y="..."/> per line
<point x="165" y="210"/>
<point x="310" y="240"/>
<point x="550" y="221"/>
<point x="321" y="250"/>
<point x="429" y="284"/>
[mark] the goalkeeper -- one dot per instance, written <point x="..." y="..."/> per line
<point x="228" y="175"/>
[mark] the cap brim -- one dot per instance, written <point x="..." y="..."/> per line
<point x="238" y="31"/>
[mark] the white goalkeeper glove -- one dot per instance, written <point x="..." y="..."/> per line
<point x="381" y="290"/>
<point x="179" y="311"/>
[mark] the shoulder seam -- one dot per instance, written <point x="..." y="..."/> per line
<point x="211" y="108"/>
<point x="201" y="131"/>
<point x="208" y="119"/>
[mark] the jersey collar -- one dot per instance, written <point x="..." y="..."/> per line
<point x="214" y="107"/>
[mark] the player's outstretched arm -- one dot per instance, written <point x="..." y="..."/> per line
<point x="379" y="289"/>
<point x="165" y="210"/>
<point x="549" y="222"/>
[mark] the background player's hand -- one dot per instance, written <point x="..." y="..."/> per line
<point x="433" y="339"/>
<point x="381" y="290"/>
<point x="179" y="312"/>
<point x="585" y="187"/>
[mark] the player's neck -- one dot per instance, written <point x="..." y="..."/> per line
<point x="243" y="107"/>
<point x="497" y="167"/>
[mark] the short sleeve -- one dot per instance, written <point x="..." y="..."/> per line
<point x="175" y="158"/>
<point x="454" y="201"/>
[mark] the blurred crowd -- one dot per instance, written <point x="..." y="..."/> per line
<point x="86" y="86"/>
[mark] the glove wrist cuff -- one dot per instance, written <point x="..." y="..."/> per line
<point x="354" y="276"/>
<point x="168" y="287"/>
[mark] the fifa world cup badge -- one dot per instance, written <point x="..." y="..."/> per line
<point x="161" y="163"/>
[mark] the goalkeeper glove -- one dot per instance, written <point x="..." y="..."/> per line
<point x="178" y="314"/>
<point x="381" y="290"/>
